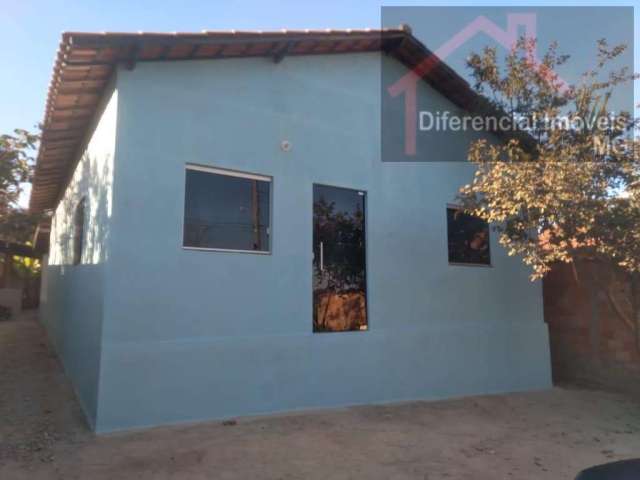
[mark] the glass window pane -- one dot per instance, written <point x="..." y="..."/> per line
<point x="339" y="276"/>
<point x="78" y="232"/>
<point x="468" y="238"/>
<point x="226" y="212"/>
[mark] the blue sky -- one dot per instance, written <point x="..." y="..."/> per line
<point x="30" y="32"/>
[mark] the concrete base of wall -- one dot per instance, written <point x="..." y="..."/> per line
<point x="12" y="298"/>
<point x="145" y="385"/>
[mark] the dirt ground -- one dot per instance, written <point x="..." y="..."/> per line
<point x="540" y="435"/>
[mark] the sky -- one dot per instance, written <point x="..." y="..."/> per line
<point x="30" y="32"/>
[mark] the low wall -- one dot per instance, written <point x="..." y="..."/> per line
<point x="590" y="340"/>
<point x="12" y="298"/>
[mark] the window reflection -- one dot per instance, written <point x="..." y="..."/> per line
<point x="468" y="238"/>
<point x="226" y="211"/>
<point x="339" y="280"/>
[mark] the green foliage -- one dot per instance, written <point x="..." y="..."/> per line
<point x="572" y="192"/>
<point x="18" y="226"/>
<point x="26" y="267"/>
<point x="16" y="168"/>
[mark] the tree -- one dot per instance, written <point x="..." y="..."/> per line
<point x="16" y="224"/>
<point x="16" y="168"/>
<point x="569" y="189"/>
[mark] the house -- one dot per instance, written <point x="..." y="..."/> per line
<point x="225" y="239"/>
<point x="19" y="287"/>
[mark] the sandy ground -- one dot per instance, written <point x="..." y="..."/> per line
<point x="540" y="435"/>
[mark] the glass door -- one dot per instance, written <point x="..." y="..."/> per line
<point x="339" y="277"/>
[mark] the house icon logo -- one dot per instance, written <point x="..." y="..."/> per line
<point x="519" y="25"/>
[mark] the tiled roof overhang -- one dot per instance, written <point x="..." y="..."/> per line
<point x="85" y="62"/>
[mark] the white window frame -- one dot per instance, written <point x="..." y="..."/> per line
<point x="230" y="173"/>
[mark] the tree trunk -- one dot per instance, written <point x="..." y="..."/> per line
<point x="6" y="270"/>
<point x="635" y="298"/>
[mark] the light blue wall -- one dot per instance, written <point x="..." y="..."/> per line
<point x="72" y="299"/>
<point x="190" y="335"/>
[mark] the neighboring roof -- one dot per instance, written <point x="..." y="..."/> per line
<point x="40" y="240"/>
<point x="85" y="63"/>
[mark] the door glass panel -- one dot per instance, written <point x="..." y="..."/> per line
<point x="339" y="279"/>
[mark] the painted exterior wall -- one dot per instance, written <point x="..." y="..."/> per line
<point x="72" y="299"/>
<point x="189" y="335"/>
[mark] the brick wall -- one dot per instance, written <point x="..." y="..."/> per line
<point x="590" y="342"/>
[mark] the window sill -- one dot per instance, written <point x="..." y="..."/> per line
<point x="352" y="332"/>
<point x="461" y="264"/>
<point x="226" y="250"/>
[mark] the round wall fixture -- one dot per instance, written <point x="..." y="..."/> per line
<point x="285" y="145"/>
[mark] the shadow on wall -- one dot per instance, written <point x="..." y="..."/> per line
<point x="72" y="315"/>
<point x="72" y="302"/>
<point x="91" y="184"/>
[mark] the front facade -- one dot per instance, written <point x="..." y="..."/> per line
<point x="230" y="243"/>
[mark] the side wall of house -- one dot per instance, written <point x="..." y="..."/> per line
<point x="200" y="334"/>
<point x="72" y="300"/>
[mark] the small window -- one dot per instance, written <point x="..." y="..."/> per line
<point x="78" y="232"/>
<point x="468" y="238"/>
<point x="226" y="210"/>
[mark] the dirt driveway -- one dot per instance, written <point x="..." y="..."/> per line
<point x="541" y="435"/>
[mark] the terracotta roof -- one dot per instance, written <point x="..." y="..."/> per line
<point x="85" y="62"/>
